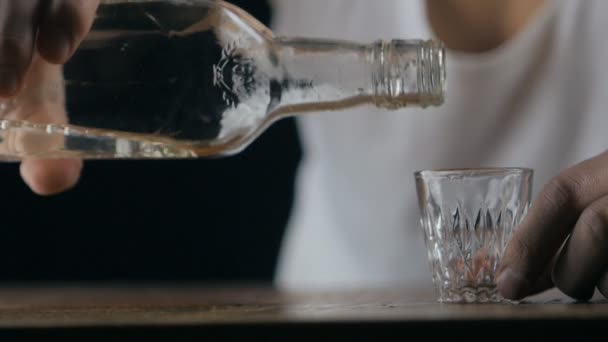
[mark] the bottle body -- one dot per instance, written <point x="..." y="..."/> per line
<point x="184" y="79"/>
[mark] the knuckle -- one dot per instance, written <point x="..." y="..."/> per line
<point x="594" y="221"/>
<point x="521" y="249"/>
<point x="23" y="8"/>
<point x="72" y="15"/>
<point x="558" y="193"/>
<point x="14" y="51"/>
<point x="565" y="191"/>
<point x="17" y="30"/>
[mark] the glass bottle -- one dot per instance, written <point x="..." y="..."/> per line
<point x="201" y="78"/>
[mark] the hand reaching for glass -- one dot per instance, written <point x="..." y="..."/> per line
<point x="563" y="240"/>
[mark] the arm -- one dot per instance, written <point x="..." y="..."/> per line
<point x="479" y="25"/>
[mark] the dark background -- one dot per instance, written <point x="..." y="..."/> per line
<point x="217" y="220"/>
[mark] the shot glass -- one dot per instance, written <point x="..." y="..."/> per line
<point x="468" y="217"/>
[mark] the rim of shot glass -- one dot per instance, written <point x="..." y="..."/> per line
<point x="472" y="172"/>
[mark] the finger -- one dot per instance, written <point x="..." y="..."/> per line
<point x="43" y="105"/>
<point x="544" y="282"/>
<point x="547" y="224"/>
<point x="602" y="285"/>
<point x="17" y="34"/>
<point x="63" y="25"/>
<point x="585" y="256"/>
<point x="48" y="177"/>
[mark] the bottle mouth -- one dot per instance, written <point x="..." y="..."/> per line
<point x="432" y="73"/>
<point x="409" y="72"/>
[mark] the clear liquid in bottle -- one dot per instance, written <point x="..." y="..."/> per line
<point x="179" y="79"/>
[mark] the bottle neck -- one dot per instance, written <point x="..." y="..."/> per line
<point x="408" y="72"/>
<point x="329" y="75"/>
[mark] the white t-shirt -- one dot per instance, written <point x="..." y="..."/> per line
<point x="538" y="101"/>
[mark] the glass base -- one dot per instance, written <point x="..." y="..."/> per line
<point x="470" y="295"/>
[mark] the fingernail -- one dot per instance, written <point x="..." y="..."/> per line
<point x="56" y="47"/>
<point x="64" y="48"/>
<point x="8" y="82"/>
<point x="511" y="285"/>
<point x="62" y="43"/>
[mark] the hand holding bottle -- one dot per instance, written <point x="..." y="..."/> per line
<point x="178" y="79"/>
<point x="36" y="36"/>
<point x="171" y="79"/>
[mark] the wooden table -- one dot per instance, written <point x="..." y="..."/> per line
<point x="173" y="312"/>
